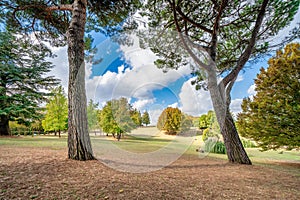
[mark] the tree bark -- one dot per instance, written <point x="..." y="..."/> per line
<point x="234" y="147"/>
<point x="79" y="144"/>
<point x="4" y="125"/>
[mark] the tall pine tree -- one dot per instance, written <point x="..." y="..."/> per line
<point x="65" y="22"/>
<point x="214" y="37"/>
<point x="22" y="77"/>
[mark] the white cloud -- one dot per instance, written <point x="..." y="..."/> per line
<point x="235" y="106"/>
<point x="138" y="82"/>
<point x="140" y="104"/>
<point x="154" y="115"/>
<point x="194" y="102"/>
<point x="61" y="65"/>
<point x="174" y="105"/>
<point x="251" y="91"/>
<point x="239" y="78"/>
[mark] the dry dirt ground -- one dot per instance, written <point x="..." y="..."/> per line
<point x="41" y="173"/>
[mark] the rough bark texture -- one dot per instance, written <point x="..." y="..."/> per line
<point x="4" y="125"/>
<point x="79" y="144"/>
<point x="234" y="147"/>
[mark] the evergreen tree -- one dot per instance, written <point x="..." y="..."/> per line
<point x="272" y="117"/>
<point x="22" y="79"/>
<point x="56" y="118"/>
<point x="214" y="38"/>
<point x="64" y="22"/>
<point x="146" y="118"/>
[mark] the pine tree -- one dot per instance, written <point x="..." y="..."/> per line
<point x="56" y="118"/>
<point x="216" y="38"/>
<point x="62" y="22"/>
<point x="272" y="117"/>
<point x="22" y="77"/>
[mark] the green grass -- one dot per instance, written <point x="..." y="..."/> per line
<point x="145" y="140"/>
<point x="132" y="144"/>
<point x="52" y="142"/>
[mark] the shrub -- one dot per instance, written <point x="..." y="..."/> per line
<point x="210" y="133"/>
<point x="214" y="146"/>
<point x="248" y="143"/>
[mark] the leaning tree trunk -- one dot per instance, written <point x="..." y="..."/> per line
<point x="235" y="151"/>
<point x="79" y="144"/>
<point x="234" y="148"/>
<point x="4" y="125"/>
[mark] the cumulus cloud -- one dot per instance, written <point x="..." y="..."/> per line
<point x="140" y="104"/>
<point x="139" y="81"/>
<point x="194" y="102"/>
<point x="235" y="106"/>
<point x="61" y="65"/>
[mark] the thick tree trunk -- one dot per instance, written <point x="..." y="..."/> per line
<point x="234" y="148"/>
<point x="79" y="144"/>
<point x="4" y="125"/>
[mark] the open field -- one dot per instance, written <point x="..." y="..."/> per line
<point x="37" y="168"/>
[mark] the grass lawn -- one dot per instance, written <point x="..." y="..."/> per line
<point x="144" y="140"/>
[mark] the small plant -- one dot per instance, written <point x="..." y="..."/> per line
<point x="209" y="133"/>
<point x="214" y="146"/>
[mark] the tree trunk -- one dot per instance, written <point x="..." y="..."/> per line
<point x="59" y="133"/>
<point x="234" y="148"/>
<point x="79" y="144"/>
<point x="4" y="125"/>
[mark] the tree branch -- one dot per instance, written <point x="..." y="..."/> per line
<point x="214" y="39"/>
<point x="247" y="53"/>
<point x="191" y="53"/>
<point x="68" y="7"/>
<point x="187" y="19"/>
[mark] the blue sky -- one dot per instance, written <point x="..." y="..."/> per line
<point x="128" y="71"/>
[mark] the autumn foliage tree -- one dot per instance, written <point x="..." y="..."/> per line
<point x="172" y="120"/>
<point x="272" y="117"/>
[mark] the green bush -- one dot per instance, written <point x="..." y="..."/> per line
<point x="210" y="133"/>
<point x="213" y="146"/>
<point x="248" y="143"/>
